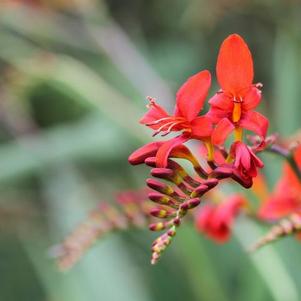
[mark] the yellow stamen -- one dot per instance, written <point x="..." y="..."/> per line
<point x="210" y="150"/>
<point x="236" y="114"/>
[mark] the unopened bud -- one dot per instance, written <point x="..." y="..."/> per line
<point x="246" y="182"/>
<point x="151" y="161"/>
<point x="192" y="203"/>
<point x="200" y="191"/>
<point x="222" y="172"/>
<point x="160" y="187"/>
<point x="162" y="173"/>
<point x="142" y="153"/>
<point x="211" y="183"/>
<point x="162" y="199"/>
<point x="157" y="226"/>
<point x="161" y="213"/>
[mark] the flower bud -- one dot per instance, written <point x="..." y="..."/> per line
<point x="142" y="153"/>
<point x="160" y="187"/>
<point x="199" y="191"/>
<point x="162" y="199"/>
<point x="192" y="203"/>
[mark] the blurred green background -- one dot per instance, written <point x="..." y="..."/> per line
<point x="73" y="79"/>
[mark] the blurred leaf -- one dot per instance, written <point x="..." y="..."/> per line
<point x="287" y="73"/>
<point x="31" y="154"/>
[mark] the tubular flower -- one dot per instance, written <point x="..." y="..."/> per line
<point x="286" y="198"/>
<point x="216" y="220"/>
<point x="283" y="206"/>
<point x="245" y="161"/>
<point x="232" y="107"/>
<point x="189" y="102"/>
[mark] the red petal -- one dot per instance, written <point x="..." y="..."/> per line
<point x="255" y="122"/>
<point x="234" y="65"/>
<point x="221" y="101"/>
<point x="201" y="127"/>
<point x="216" y="114"/>
<point x="192" y="95"/>
<point x="278" y="206"/>
<point x="155" y="113"/>
<point x="213" y="227"/>
<point x="148" y="150"/>
<point x="252" y="99"/>
<point x="297" y="156"/>
<point x="183" y="152"/>
<point x="242" y="155"/>
<point x="222" y="131"/>
<point x="258" y="163"/>
<point x="227" y="211"/>
<point x="203" y="218"/>
<point x="166" y="148"/>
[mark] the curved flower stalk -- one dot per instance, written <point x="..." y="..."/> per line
<point x="231" y="109"/>
<point x="184" y="192"/>
<point x="131" y="211"/>
<point x="288" y="226"/>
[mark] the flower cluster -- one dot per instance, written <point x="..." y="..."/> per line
<point x="221" y="153"/>
<point x="231" y="111"/>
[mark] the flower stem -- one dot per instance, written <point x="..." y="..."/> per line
<point x="238" y="132"/>
<point x="287" y="155"/>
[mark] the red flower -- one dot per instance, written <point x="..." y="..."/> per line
<point x="286" y="197"/>
<point x="245" y="161"/>
<point x="189" y="102"/>
<point x="216" y="220"/>
<point x="232" y="107"/>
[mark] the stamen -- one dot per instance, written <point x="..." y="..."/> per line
<point x="236" y="114"/>
<point x="259" y="85"/>
<point x="170" y="128"/>
<point x="160" y="129"/>
<point x="238" y="99"/>
<point x="151" y="99"/>
<point x="159" y="120"/>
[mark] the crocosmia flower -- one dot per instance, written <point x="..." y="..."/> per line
<point x="216" y="221"/>
<point x="232" y="107"/>
<point x="189" y="102"/>
<point x="245" y="161"/>
<point x="286" y="197"/>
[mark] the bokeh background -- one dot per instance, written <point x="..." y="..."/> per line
<point x="73" y="79"/>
